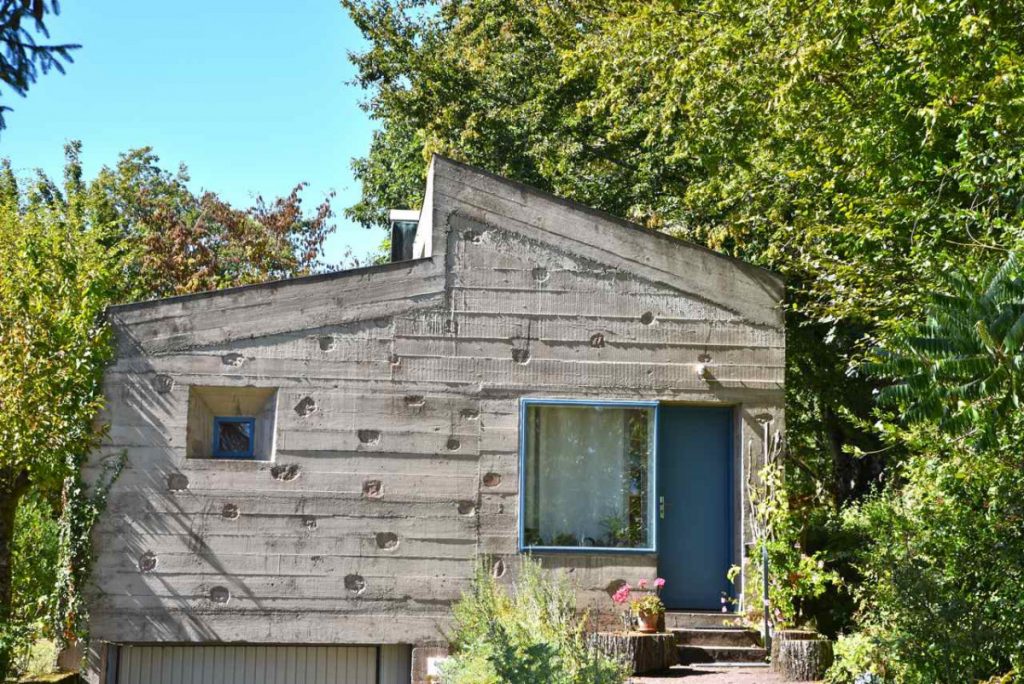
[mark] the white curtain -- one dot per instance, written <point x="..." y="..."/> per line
<point x="578" y="473"/>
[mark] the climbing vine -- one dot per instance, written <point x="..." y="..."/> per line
<point x="80" y="510"/>
<point x="794" y="575"/>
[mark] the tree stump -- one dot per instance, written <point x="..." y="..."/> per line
<point x="644" y="652"/>
<point x="800" y="655"/>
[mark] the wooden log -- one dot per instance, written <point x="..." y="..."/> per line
<point x="644" y="652"/>
<point x="800" y="655"/>
<point x="788" y="635"/>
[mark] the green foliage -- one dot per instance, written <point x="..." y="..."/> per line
<point x="795" y="576"/>
<point x="648" y="604"/>
<point x="24" y="58"/>
<point x="963" y="367"/>
<point x="57" y="274"/>
<point x="846" y="144"/>
<point x="80" y="511"/>
<point x="941" y="596"/>
<point x="34" y="555"/>
<point x="1012" y="677"/>
<point x="529" y="634"/>
<point x="857" y="661"/>
<point x="42" y="658"/>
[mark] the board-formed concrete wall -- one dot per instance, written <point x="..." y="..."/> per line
<point x="396" y="457"/>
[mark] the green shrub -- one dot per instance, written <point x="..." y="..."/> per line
<point x="942" y="594"/>
<point x="1008" y="678"/>
<point x="35" y="564"/>
<point x="795" y="578"/>
<point x="857" y="661"/>
<point x="41" y="658"/>
<point x="531" y="633"/>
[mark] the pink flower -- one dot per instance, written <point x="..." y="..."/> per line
<point x="622" y="595"/>
<point x="642" y="584"/>
<point x="659" y="583"/>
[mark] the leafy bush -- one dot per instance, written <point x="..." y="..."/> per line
<point x="795" y="577"/>
<point x="942" y="592"/>
<point x="857" y="661"/>
<point x="35" y="552"/>
<point x="1008" y="678"/>
<point x="527" y="635"/>
<point x="41" y="658"/>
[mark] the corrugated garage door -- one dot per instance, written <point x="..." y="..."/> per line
<point x="263" y="664"/>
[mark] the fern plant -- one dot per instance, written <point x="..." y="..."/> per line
<point x="963" y="365"/>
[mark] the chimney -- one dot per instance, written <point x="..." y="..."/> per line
<point x="403" y="233"/>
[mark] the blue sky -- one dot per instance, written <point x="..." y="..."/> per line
<point x="251" y="95"/>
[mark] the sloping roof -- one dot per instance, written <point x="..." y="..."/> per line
<point x="603" y="216"/>
<point x="459" y="189"/>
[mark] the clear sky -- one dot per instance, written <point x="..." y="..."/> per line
<point x="251" y="94"/>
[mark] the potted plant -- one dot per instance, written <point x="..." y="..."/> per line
<point x="648" y="608"/>
<point x="644" y="611"/>
<point x="642" y="642"/>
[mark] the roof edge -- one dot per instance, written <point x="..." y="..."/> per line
<point x="267" y="284"/>
<point x="599" y="213"/>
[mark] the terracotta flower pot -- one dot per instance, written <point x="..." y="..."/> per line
<point x="648" y="622"/>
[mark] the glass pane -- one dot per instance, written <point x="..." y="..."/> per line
<point x="588" y="476"/>
<point x="234" y="437"/>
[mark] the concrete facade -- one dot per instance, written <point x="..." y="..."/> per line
<point x="394" y="461"/>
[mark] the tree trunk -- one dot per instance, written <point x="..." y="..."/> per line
<point x="800" y="655"/>
<point x="645" y="653"/>
<point x="12" y="486"/>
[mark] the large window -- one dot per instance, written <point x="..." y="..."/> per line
<point x="588" y="475"/>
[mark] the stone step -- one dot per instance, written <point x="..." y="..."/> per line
<point x="725" y="636"/>
<point x="721" y="655"/>
<point x="695" y="620"/>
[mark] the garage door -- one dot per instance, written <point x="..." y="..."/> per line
<point x="257" y="664"/>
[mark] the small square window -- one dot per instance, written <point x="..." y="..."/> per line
<point x="234" y="437"/>
<point x="231" y="423"/>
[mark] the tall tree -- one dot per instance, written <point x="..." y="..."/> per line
<point x="183" y="242"/>
<point x="56" y="276"/>
<point x="24" y="59"/>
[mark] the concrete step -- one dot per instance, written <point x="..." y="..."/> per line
<point x="724" y="636"/>
<point x="721" y="655"/>
<point x="699" y="620"/>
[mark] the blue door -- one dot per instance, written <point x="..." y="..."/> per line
<point x="695" y="530"/>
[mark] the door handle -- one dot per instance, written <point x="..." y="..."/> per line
<point x="661" y="508"/>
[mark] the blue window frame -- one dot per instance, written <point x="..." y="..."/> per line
<point x="587" y="476"/>
<point x="234" y="437"/>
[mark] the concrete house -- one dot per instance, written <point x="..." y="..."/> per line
<point x="315" y="466"/>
